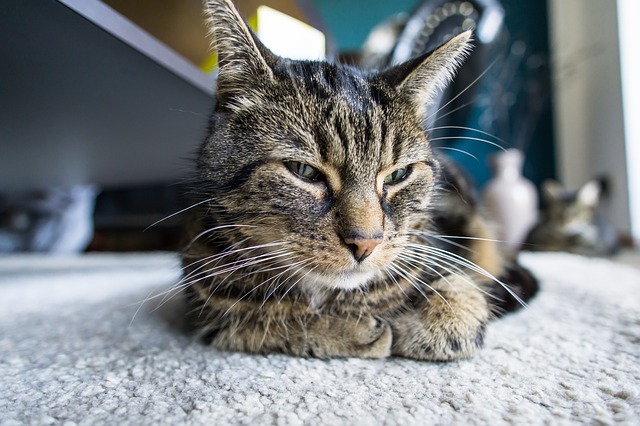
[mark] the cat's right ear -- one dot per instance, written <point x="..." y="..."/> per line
<point x="244" y="62"/>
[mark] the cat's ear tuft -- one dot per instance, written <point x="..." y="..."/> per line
<point x="551" y="191"/>
<point x="243" y="60"/>
<point x="589" y="194"/>
<point x="424" y="77"/>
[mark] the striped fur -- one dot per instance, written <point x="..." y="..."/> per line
<point x="271" y="264"/>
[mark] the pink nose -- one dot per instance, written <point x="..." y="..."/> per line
<point x="361" y="246"/>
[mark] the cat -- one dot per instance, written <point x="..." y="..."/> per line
<point x="323" y="224"/>
<point x="570" y="221"/>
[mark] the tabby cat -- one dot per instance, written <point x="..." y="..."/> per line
<point x="571" y="221"/>
<point x="321" y="211"/>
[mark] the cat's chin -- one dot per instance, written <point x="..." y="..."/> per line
<point x="346" y="280"/>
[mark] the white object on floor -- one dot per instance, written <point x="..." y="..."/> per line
<point x="71" y="351"/>
<point x="510" y="199"/>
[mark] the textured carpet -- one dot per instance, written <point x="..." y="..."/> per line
<point x="71" y="351"/>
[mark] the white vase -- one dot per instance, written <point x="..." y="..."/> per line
<point x="510" y="199"/>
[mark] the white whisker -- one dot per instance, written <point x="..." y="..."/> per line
<point x="392" y="278"/>
<point x="277" y="285"/>
<point x="471" y="129"/>
<point x="238" y="265"/>
<point x="463" y="237"/>
<point x="452" y="257"/>
<point x="297" y="281"/>
<point x="182" y="284"/>
<point x="463" y="90"/>
<point x="215" y="229"/>
<point x="462" y="151"/>
<point x="410" y="277"/>
<point x="222" y="255"/>
<point x="410" y="261"/>
<point x="251" y="291"/>
<point x="470" y="138"/>
<point x="449" y="268"/>
<point x="426" y="235"/>
<point x="456" y="109"/>
<point x="177" y="213"/>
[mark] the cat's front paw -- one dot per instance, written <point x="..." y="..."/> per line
<point x="444" y="327"/>
<point x="365" y="337"/>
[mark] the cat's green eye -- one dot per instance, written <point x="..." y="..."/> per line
<point x="396" y="176"/>
<point x="303" y="170"/>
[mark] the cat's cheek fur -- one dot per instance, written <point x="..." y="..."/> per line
<point x="409" y="201"/>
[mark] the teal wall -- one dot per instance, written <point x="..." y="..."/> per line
<point x="527" y="21"/>
<point x="350" y="21"/>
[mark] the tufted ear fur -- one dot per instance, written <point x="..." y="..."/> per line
<point x="244" y="62"/>
<point x="422" y="78"/>
<point x="589" y="194"/>
<point x="551" y="191"/>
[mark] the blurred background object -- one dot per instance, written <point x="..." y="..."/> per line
<point x="572" y="221"/>
<point x="510" y="200"/>
<point x="57" y="220"/>
<point x="116" y="94"/>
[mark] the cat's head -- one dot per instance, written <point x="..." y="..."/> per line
<point x="571" y="211"/>
<point x="324" y="163"/>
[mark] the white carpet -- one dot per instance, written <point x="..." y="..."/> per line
<point x="69" y="355"/>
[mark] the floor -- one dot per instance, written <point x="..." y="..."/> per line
<point x="630" y="257"/>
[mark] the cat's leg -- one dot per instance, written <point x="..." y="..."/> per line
<point x="447" y="325"/>
<point x="327" y="336"/>
<point x="318" y="337"/>
<point x="288" y="327"/>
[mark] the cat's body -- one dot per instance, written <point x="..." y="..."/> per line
<point x="322" y="210"/>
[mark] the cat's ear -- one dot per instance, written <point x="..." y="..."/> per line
<point x="243" y="61"/>
<point x="589" y="194"/>
<point x="551" y="191"/>
<point x="422" y="78"/>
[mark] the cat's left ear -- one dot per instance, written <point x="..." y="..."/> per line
<point x="422" y="78"/>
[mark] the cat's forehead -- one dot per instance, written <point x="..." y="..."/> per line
<point x="326" y="81"/>
<point x="350" y="119"/>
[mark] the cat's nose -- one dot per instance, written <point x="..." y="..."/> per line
<point x="362" y="246"/>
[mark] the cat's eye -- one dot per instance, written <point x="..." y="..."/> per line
<point x="303" y="170"/>
<point x="396" y="176"/>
